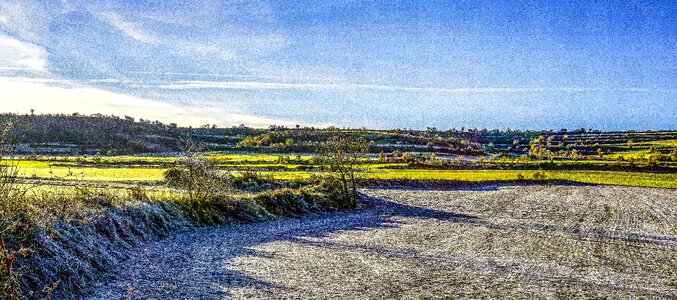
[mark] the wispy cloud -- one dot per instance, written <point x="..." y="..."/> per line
<point x="168" y="20"/>
<point x="18" y="54"/>
<point x="42" y="80"/>
<point x="294" y="77"/>
<point x="250" y="85"/>
<point x="219" y="51"/>
<point x="130" y="29"/>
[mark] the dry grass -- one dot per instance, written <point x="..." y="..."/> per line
<point x="75" y="233"/>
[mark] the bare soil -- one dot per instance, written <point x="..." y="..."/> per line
<point x="492" y="242"/>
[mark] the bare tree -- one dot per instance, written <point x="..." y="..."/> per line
<point x="197" y="175"/>
<point x="343" y="155"/>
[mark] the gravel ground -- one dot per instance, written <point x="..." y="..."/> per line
<point x="494" y="242"/>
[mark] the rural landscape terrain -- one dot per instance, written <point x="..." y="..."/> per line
<point x="107" y="207"/>
<point x="338" y="149"/>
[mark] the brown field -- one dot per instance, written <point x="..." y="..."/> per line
<point x="494" y="242"/>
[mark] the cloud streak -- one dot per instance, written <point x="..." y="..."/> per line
<point x="130" y="29"/>
<point x="251" y="85"/>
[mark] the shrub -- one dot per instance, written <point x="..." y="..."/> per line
<point x="252" y="181"/>
<point x="198" y="176"/>
<point x="288" y="203"/>
<point x="539" y="175"/>
<point x="11" y="203"/>
<point x="334" y="191"/>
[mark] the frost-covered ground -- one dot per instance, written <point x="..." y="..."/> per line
<point x="497" y="242"/>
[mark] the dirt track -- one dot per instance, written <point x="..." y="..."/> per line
<point x="497" y="242"/>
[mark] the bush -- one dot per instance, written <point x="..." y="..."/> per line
<point x="253" y="181"/>
<point x="198" y="176"/>
<point x="11" y="216"/>
<point x="333" y="192"/>
<point x="539" y="175"/>
<point x="288" y="202"/>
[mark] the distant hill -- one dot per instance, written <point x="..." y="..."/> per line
<point x="80" y="134"/>
<point x="113" y="135"/>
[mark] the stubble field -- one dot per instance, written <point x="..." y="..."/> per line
<point x="492" y="242"/>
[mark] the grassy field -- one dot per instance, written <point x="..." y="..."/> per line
<point x="151" y="169"/>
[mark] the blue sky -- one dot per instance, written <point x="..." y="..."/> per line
<point x="380" y="64"/>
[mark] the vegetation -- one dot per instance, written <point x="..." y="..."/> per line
<point x="112" y="135"/>
<point x="11" y="197"/>
<point x="196" y="175"/>
<point x="343" y="155"/>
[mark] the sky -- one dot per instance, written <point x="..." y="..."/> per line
<point x="608" y="65"/>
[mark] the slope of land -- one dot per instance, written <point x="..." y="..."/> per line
<point x="494" y="242"/>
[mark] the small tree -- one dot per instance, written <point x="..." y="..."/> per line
<point x="198" y="176"/>
<point x="342" y="155"/>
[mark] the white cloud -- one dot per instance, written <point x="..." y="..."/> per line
<point x="20" y="95"/>
<point x="130" y="29"/>
<point x="19" y="54"/>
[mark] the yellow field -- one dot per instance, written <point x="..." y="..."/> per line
<point x="93" y="173"/>
<point x="667" y="180"/>
<point x="104" y="172"/>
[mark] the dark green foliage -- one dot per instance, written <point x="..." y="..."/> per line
<point x="335" y="193"/>
<point x="112" y="134"/>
